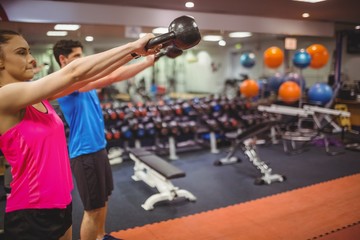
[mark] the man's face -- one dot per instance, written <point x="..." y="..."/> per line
<point x="76" y="53"/>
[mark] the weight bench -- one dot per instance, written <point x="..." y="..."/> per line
<point x="246" y="140"/>
<point x="157" y="173"/>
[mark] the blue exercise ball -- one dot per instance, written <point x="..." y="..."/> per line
<point x="301" y="59"/>
<point x="247" y="59"/>
<point x="320" y="93"/>
<point x="275" y="81"/>
<point x="297" y="78"/>
<point x="264" y="87"/>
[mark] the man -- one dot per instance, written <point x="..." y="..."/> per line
<point x="89" y="160"/>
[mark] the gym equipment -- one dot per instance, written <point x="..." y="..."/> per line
<point x="301" y="59"/>
<point x="187" y="126"/>
<point x="321" y="120"/>
<point x="249" y="88"/>
<point x="353" y="146"/>
<point x="264" y="88"/>
<point x="246" y="141"/>
<point x="183" y="33"/>
<point x="171" y="52"/>
<point x="227" y="123"/>
<point x="157" y="173"/>
<point x="297" y="78"/>
<point x="186" y="108"/>
<point x="213" y="128"/>
<point x="289" y="92"/>
<point x="173" y="132"/>
<point x="150" y="129"/>
<point x="320" y="93"/>
<point x="112" y="134"/>
<point x="319" y="55"/>
<point x="247" y="59"/>
<point x="276" y="81"/>
<point x="273" y="57"/>
<point x="168" y="129"/>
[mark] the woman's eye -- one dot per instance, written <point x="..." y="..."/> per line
<point x="23" y="52"/>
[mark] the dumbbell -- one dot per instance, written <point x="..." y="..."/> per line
<point x="112" y="133"/>
<point x="215" y="106"/>
<point x="150" y="129"/>
<point x="212" y="124"/>
<point x="165" y="110"/>
<point x="108" y="134"/>
<point x="186" y="126"/>
<point x="227" y="123"/>
<point x="109" y="114"/>
<point x="120" y="113"/>
<point x="177" y="109"/>
<point x="173" y="128"/>
<point x="142" y="111"/>
<point x="152" y="111"/>
<point x="183" y="34"/>
<point x="126" y="132"/>
<point x="186" y="108"/>
<point x="140" y="131"/>
<point x="115" y="133"/>
<point x="161" y="127"/>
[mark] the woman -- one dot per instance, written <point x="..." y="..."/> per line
<point x="32" y="136"/>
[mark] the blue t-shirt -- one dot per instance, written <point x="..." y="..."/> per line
<point x="83" y="114"/>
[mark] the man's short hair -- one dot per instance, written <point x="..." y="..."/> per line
<point x="65" y="47"/>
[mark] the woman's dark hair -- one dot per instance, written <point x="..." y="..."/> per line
<point x="5" y="36"/>
<point x="65" y="47"/>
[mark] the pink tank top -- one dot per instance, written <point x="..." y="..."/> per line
<point x="37" y="153"/>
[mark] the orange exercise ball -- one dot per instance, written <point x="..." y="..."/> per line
<point x="273" y="57"/>
<point x="249" y="88"/>
<point x="319" y="55"/>
<point x="289" y="92"/>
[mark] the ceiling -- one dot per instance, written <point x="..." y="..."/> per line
<point x="341" y="11"/>
<point x="345" y="13"/>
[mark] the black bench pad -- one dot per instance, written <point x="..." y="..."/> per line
<point x="139" y="152"/>
<point x="160" y="165"/>
<point x="251" y="131"/>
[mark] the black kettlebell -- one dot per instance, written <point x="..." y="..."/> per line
<point x="183" y="34"/>
<point x="171" y="52"/>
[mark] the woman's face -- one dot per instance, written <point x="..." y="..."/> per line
<point x="17" y="60"/>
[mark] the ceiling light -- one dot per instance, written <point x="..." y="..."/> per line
<point x="189" y="4"/>
<point x="160" y="30"/>
<point x="89" y="38"/>
<point x="56" y="33"/>
<point x="212" y="38"/>
<point x="67" y="27"/>
<point x="222" y="43"/>
<point x="305" y="15"/>
<point x="310" y="1"/>
<point x="357" y="27"/>
<point x="240" y="34"/>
